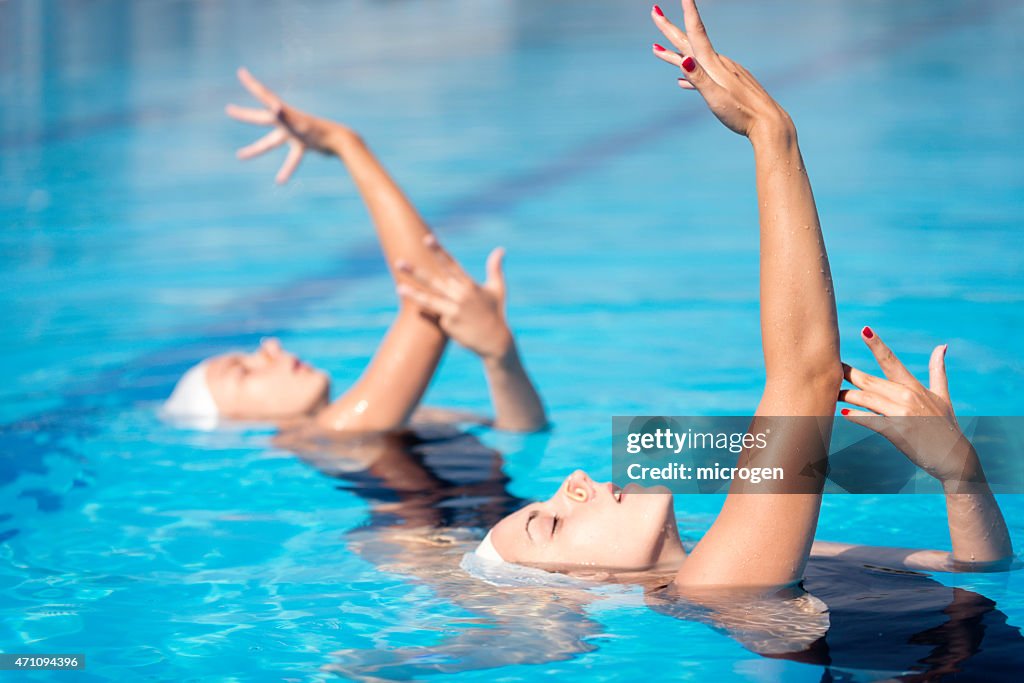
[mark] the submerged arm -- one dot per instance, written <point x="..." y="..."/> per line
<point x="763" y="539"/>
<point x="914" y="559"/>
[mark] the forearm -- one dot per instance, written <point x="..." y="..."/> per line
<point x="400" y="228"/>
<point x="517" y="405"/>
<point x="976" y="526"/>
<point x="798" y="314"/>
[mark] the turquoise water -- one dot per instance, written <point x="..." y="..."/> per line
<point x="134" y="243"/>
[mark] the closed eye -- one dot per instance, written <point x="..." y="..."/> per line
<point x="239" y="369"/>
<point x="554" y="525"/>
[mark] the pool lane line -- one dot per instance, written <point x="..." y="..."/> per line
<point x="217" y="95"/>
<point x="286" y="303"/>
<point x="85" y="126"/>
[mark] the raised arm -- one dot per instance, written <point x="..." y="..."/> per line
<point x="474" y="316"/>
<point x="394" y="382"/>
<point x="920" y="422"/>
<point x="764" y="539"/>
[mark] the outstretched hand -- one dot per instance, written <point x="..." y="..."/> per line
<point x="301" y="131"/>
<point x="470" y="313"/>
<point x="732" y="94"/>
<point x="918" y="420"/>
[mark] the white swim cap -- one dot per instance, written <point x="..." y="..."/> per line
<point x="487" y="564"/>
<point x="191" y="403"/>
<point x="487" y="551"/>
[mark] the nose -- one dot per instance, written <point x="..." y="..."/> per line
<point x="270" y="346"/>
<point x="579" y="487"/>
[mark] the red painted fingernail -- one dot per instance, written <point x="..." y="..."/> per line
<point x="658" y="48"/>
<point x="689" y="64"/>
<point x="867" y="332"/>
<point x="657" y="10"/>
<point x="845" y="411"/>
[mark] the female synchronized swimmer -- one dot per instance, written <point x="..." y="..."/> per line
<point x="748" y="574"/>
<point x="756" y="539"/>
<point x="439" y="301"/>
<point x="765" y="539"/>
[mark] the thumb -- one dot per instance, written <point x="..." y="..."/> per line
<point x="294" y="123"/>
<point x="495" y="274"/>
<point x="938" y="384"/>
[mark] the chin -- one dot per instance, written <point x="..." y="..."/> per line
<point x="660" y="522"/>
<point x="324" y="395"/>
<point x="657" y="498"/>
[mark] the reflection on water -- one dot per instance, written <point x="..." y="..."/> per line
<point x="431" y="492"/>
<point x="862" y="622"/>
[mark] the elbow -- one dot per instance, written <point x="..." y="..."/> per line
<point x="823" y="381"/>
<point x="815" y="381"/>
<point x="818" y="365"/>
<point x="828" y="377"/>
<point x="818" y="352"/>
<point x="806" y="361"/>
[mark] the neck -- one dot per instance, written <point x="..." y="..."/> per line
<point x="672" y="553"/>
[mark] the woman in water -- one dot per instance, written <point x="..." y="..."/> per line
<point x="748" y="574"/>
<point x="764" y="540"/>
<point x="439" y="301"/>
<point x="758" y="540"/>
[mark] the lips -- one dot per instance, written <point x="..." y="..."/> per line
<point x="615" y="491"/>
<point x="630" y="488"/>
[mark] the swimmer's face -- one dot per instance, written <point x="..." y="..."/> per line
<point x="267" y="384"/>
<point x="587" y="525"/>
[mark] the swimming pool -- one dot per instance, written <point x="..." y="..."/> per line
<point x="135" y="244"/>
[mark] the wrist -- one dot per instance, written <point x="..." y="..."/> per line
<point x="503" y="355"/>
<point x="970" y="477"/>
<point x="340" y="139"/>
<point x="773" y="131"/>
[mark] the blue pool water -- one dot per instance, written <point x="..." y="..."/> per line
<point x="133" y="243"/>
